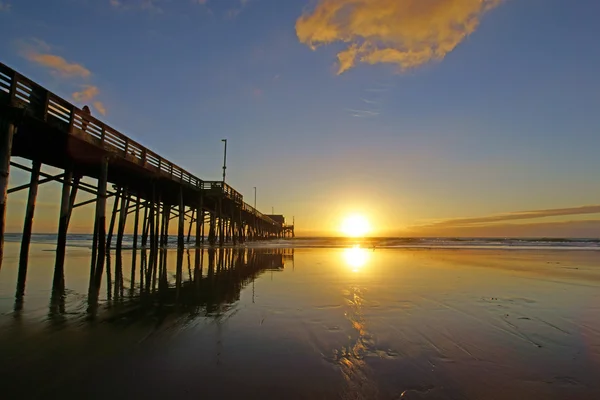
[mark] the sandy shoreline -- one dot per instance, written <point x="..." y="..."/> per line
<point x="330" y="323"/>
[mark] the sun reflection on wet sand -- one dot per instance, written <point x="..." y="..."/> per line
<point x="356" y="257"/>
<point x="313" y="323"/>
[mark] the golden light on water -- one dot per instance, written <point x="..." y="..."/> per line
<point x="355" y="226"/>
<point x="356" y="257"/>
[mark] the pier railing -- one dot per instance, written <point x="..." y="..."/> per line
<point x="18" y="91"/>
<point x="223" y="189"/>
<point x="251" y="210"/>
<point x="38" y="102"/>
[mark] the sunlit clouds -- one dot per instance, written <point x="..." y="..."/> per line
<point x="535" y="223"/>
<point x="99" y="106"/>
<point x="519" y="215"/>
<point x="40" y="53"/>
<point x="407" y="33"/>
<point x="86" y="94"/>
<point x="57" y="64"/>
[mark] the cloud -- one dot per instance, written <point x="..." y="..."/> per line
<point x="4" y="6"/>
<point x="235" y="11"/>
<point x="99" y="106"/>
<point x="407" y="33"/>
<point x="363" y="113"/>
<point x="40" y="52"/>
<point x="144" y="5"/>
<point x="520" y="215"/>
<point x="88" y="93"/>
<point x="568" y="229"/>
<point x="57" y="64"/>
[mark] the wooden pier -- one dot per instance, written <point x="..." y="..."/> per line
<point x="38" y="125"/>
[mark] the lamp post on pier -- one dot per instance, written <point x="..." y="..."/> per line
<point x="255" y="197"/>
<point x="224" y="158"/>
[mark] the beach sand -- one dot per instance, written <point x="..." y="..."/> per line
<point x="310" y="324"/>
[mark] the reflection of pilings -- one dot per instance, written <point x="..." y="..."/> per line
<point x="108" y="277"/>
<point x="178" y="272"/>
<point x="143" y="265"/>
<point x="229" y="271"/>
<point x="27" y="227"/>
<point x="119" y="275"/>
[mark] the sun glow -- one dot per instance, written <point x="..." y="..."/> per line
<point x="356" y="257"/>
<point x="355" y="226"/>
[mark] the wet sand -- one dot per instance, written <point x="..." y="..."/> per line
<point x="311" y="324"/>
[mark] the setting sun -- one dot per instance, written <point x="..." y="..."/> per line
<point x="355" y="226"/>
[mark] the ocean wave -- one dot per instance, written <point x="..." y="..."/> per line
<point x="85" y="240"/>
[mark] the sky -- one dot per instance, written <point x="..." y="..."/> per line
<point x="437" y="117"/>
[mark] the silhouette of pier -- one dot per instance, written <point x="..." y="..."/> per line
<point x="38" y="125"/>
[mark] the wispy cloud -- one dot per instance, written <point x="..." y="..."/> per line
<point x="143" y="5"/>
<point x="99" y="106"/>
<point x="87" y="93"/>
<point x="233" y="8"/>
<point x="4" y="6"/>
<point x="407" y="33"/>
<point x="362" y="113"/>
<point x="370" y="101"/>
<point x="237" y="9"/>
<point x="567" y="229"/>
<point x="520" y="215"/>
<point x="40" y="53"/>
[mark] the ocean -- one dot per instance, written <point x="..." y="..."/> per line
<point x="85" y="240"/>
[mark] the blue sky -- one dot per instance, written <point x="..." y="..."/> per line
<point x="507" y="121"/>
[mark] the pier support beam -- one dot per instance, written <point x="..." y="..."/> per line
<point x="136" y="222"/>
<point x="189" y="235"/>
<point x="68" y="198"/>
<point x="98" y="256"/>
<point x="7" y="130"/>
<point x="122" y="218"/>
<point x="181" y="227"/>
<point x="199" y="224"/>
<point x="113" y="217"/>
<point x="27" y="228"/>
<point x="211" y="229"/>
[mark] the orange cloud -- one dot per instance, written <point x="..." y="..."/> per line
<point x="99" y="106"/>
<point x="520" y="215"/>
<point x="58" y="64"/>
<point x="88" y="93"/>
<point x="407" y="33"/>
<point x="40" y="52"/>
